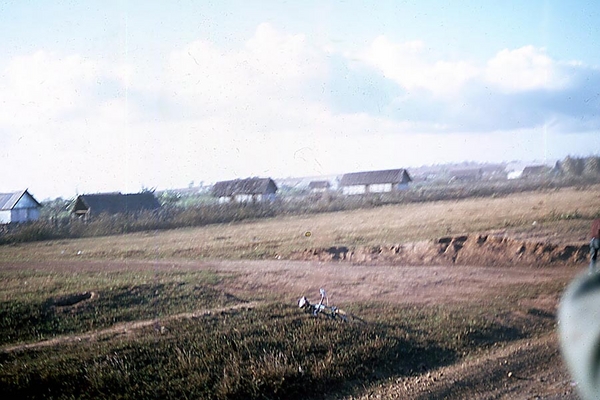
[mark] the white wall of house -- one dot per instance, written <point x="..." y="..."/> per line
<point x="25" y="214"/>
<point x="254" y="198"/>
<point x="380" y="188"/>
<point x="375" y="188"/>
<point x="514" y="174"/>
<point x="246" y="198"/>
<point x="5" y="216"/>
<point x="25" y="210"/>
<point x="354" y="189"/>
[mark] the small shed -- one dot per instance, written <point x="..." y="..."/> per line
<point x="252" y="190"/>
<point x="319" y="186"/>
<point x="87" y="206"/>
<point x="375" y="181"/>
<point x="18" y="207"/>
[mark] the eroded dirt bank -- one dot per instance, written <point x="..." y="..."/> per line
<point x="461" y="250"/>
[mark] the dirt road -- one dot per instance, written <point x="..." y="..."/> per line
<point x="345" y="282"/>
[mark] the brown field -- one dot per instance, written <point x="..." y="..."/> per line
<point x="251" y="261"/>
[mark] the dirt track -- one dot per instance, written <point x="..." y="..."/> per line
<point x="345" y="282"/>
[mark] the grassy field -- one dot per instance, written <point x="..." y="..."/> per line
<point x="270" y="350"/>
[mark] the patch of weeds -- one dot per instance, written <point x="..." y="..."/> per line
<point x="23" y="320"/>
<point x="562" y="216"/>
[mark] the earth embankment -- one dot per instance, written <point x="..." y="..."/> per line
<point x="475" y="249"/>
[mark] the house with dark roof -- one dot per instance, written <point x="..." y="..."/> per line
<point x="535" y="171"/>
<point x="250" y="190"/>
<point x="375" y="181"/>
<point x="87" y="206"/>
<point x="319" y="186"/>
<point x="18" y="207"/>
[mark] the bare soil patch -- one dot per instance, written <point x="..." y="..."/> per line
<point x="525" y="369"/>
<point x="345" y="282"/>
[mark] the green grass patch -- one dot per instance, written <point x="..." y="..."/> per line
<point x="49" y="305"/>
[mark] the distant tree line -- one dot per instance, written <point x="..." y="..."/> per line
<point x="580" y="167"/>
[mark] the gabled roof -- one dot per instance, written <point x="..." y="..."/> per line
<point x="319" y="185"/>
<point x="393" y="176"/>
<point x="536" y="169"/>
<point x="244" y="186"/>
<point x="9" y="200"/>
<point x="115" y="203"/>
<point x="466" y="174"/>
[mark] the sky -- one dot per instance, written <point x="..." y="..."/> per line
<point x="103" y="96"/>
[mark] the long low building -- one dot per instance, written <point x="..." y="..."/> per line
<point x="87" y="206"/>
<point x="17" y="207"/>
<point x="375" y="181"/>
<point x="250" y="190"/>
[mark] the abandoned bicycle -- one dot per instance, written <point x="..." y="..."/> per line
<point x="323" y="308"/>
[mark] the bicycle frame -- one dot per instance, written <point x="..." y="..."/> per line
<point x="320" y="308"/>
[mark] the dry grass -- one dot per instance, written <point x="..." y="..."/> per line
<point x="571" y="207"/>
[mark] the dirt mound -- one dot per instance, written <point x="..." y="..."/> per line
<point x="462" y="250"/>
<point x="71" y="300"/>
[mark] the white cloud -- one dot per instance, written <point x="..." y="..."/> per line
<point x="407" y="64"/>
<point x="281" y="57"/>
<point x="43" y="85"/>
<point x="271" y="67"/>
<point x="524" y="69"/>
<point x="413" y="67"/>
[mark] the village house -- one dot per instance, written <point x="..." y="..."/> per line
<point x="375" y="181"/>
<point x="536" y="171"/>
<point x="319" y="186"/>
<point x="250" y="190"/>
<point x="18" y="207"/>
<point x="87" y="206"/>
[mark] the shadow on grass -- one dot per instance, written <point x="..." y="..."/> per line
<point x="271" y="352"/>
